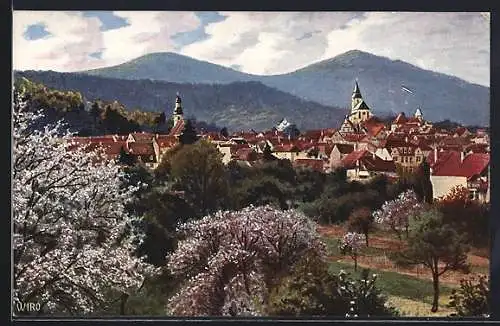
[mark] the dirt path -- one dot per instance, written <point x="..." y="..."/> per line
<point x="381" y="262"/>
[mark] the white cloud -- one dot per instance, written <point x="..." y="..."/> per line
<point x="75" y="36"/>
<point x="267" y="42"/>
<point x="262" y="42"/>
<point x="147" y="32"/>
<point x="452" y="43"/>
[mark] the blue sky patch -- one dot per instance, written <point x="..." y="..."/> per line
<point x="206" y="17"/>
<point x="96" y="55"/>
<point x="108" y="20"/>
<point x="35" y="32"/>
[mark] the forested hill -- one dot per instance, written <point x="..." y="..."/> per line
<point x="238" y="105"/>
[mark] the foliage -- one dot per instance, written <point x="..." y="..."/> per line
<point x="164" y="168"/>
<point x="309" y="185"/>
<point x="467" y="216"/>
<point x="126" y="158"/>
<point x="337" y="205"/>
<point x="164" y="211"/>
<point x="472" y="298"/>
<point x="259" y="190"/>
<point x="198" y="171"/>
<point x="361" y="220"/>
<point x="351" y="244"/>
<point x="312" y="291"/>
<point x="267" y="154"/>
<point x="239" y="106"/>
<point x="396" y="214"/>
<point x="231" y="260"/>
<point x="188" y="135"/>
<point x="435" y="245"/>
<point x="72" y="236"/>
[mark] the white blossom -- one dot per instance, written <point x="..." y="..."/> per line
<point x="72" y="241"/>
<point x="235" y="257"/>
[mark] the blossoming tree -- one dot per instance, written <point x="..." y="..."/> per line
<point x="351" y="243"/>
<point x="396" y="213"/>
<point x="72" y="238"/>
<point x="230" y="261"/>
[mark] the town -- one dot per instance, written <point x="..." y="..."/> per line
<point x="363" y="145"/>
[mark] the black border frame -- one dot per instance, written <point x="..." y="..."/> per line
<point x="281" y="5"/>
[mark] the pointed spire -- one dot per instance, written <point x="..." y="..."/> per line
<point x="418" y="113"/>
<point x="356" y="93"/>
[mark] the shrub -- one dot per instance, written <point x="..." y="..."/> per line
<point x="312" y="291"/>
<point x="472" y="298"/>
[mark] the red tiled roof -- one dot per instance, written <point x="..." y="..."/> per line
<point x="246" y="154"/>
<point x="448" y="164"/>
<point x="286" y="148"/>
<point x="400" y="119"/>
<point x="478" y="148"/>
<point x="461" y="130"/>
<point x="142" y="136"/>
<point x="177" y="129"/>
<point x="141" y="148"/>
<point x="236" y="147"/>
<point x="377" y="164"/>
<point x="315" y="164"/>
<point x="97" y="139"/>
<point x="328" y="149"/>
<point x="351" y="158"/>
<point x="353" y="137"/>
<point x="345" y="148"/>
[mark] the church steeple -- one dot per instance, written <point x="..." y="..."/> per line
<point x="356" y="93"/>
<point x="356" y="97"/>
<point x="360" y="111"/>
<point x="178" y="114"/>
<point x="418" y="114"/>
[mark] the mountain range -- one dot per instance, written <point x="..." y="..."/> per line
<point x="325" y="86"/>
<point x="237" y="106"/>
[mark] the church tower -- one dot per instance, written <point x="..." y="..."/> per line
<point x="178" y="114"/>
<point x="360" y="111"/>
<point x="356" y="96"/>
<point x="419" y="115"/>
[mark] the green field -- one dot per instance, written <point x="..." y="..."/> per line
<point x="395" y="284"/>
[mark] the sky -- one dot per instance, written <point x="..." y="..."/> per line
<point x="261" y="43"/>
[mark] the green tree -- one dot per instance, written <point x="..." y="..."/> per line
<point x="260" y="190"/>
<point x="126" y="158"/>
<point x="267" y="154"/>
<point x="189" y="135"/>
<point x="466" y="215"/>
<point x="472" y="298"/>
<point x="198" y="170"/>
<point x="435" y="245"/>
<point x="224" y="133"/>
<point x="311" y="290"/>
<point x="361" y="221"/>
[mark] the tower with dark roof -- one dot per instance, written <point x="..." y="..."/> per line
<point x="360" y="111"/>
<point x="356" y="96"/>
<point x="178" y="114"/>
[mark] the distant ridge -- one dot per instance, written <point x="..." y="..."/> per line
<point x="330" y="82"/>
<point x="238" y="106"/>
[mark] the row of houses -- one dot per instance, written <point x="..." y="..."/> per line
<point x="363" y="145"/>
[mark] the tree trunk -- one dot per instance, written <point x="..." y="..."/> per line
<point x="435" y="284"/>
<point x="123" y="302"/>
<point x="366" y="238"/>
<point x="355" y="262"/>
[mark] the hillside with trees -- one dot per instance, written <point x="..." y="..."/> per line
<point x="238" y="106"/>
